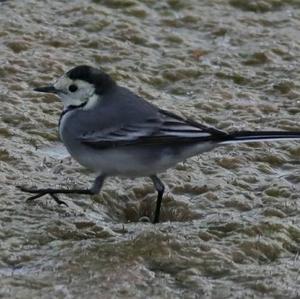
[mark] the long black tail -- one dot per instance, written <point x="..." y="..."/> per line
<point x="248" y="136"/>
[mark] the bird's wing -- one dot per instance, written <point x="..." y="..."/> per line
<point x="166" y="128"/>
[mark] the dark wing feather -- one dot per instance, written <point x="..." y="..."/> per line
<point x="166" y="129"/>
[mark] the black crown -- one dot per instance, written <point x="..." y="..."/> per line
<point x="98" y="78"/>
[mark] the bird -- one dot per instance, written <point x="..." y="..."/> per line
<point x="112" y="131"/>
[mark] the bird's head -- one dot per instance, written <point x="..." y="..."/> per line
<point x="80" y="85"/>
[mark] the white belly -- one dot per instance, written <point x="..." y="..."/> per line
<point x="135" y="162"/>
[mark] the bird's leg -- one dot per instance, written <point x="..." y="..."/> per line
<point x="95" y="189"/>
<point x="160" y="188"/>
<point x="98" y="183"/>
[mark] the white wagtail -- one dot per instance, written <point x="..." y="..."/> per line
<point x="114" y="132"/>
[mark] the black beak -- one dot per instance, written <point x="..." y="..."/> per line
<point x="48" y="89"/>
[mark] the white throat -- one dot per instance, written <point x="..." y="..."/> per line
<point x="88" y="104"/>
<point x="92" y="101"/>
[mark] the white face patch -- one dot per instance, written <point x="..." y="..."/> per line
<point x="91" y="102"/>
<point x="75" y="92"/>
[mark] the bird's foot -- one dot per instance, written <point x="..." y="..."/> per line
<point x="42" y="192"/>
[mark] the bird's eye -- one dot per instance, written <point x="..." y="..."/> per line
<point x="73" y="88"/>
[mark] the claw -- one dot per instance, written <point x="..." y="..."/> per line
<point x="53" y="192"/>
<point x="58" y="201"/>
<point x="30" y="190"/>
<point x="41" y="193"/>
<point x="35" y="196"/>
